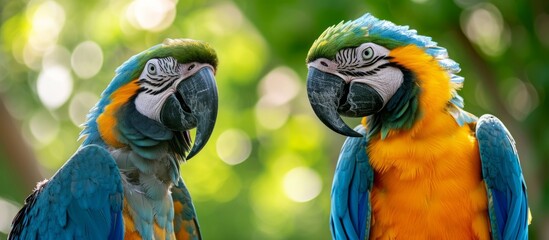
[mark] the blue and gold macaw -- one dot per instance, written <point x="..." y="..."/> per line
<point x="124" y="180"/>
<point x="419" y="166"/>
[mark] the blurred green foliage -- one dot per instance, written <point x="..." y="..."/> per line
<point x="266" y="172"/>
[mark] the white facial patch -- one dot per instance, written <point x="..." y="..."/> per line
<point x="367" y="63"/>
<point x="158" y="81"/>
<point x="386" y="82"/>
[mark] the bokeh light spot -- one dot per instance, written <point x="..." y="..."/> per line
<point x="224" y="26"/>
<point x="31" y="58"/>
<point x="302" y="184"/>
<point x="542" y="31"/>
<point x="9" y="210"/>
<point x="57" y="55"/>
<point x="270" y="116"/>
<point x="279" y="86"/>
<point x="87" y="59"/>
<point x="54" y="86"/>
<point x="522" y="99"/>
<point x="483" y="25"/>
<point x="47" y="22"/>
<point x="233" y="146"/>
<point x="151" y="15"/>
<point x="44" y="127"/>
<point x="80" y="105"/>
<point x="276" y="89"/>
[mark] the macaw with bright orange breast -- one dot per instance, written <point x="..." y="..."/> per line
<point x="419" y="167"/>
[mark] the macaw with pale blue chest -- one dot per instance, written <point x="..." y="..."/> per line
<point x="124" y="180"/>
<point x="419" y="166"/>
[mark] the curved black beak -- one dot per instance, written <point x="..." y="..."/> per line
<point x="331" y="96"/>
<point x="194" y="104"/>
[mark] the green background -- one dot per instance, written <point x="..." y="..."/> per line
<point x="266" y="171"/>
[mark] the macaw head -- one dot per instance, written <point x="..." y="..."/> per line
<point x="370" y="67"/>
<point x="157" y="96"/>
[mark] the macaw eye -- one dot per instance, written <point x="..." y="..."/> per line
<point x="368" y="53"/>
<point x="151" y="68"/>
<point x="190" y="67"/>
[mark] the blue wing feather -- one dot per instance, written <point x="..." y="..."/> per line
<point x="83" y="200"/>
<point x="117" y="226"/>
<point x="350" y="210"/>
<point x="508" y="205"/>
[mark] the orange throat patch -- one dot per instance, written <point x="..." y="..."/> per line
<point x="106" y="122"/>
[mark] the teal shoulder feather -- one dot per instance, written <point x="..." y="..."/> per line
<point x="83" y="200"/>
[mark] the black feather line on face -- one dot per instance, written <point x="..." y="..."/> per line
<point x="164" y="85"/>
<point x="168" y="65"/>
<point x="372" y="62"/>
<point x="162" y="65"/>
<point x="347" y="58"/>
<point x="169" y="73"/>
<point x="158" y="82"/>
<point x="366" y="73"/>
<point x="168" y="84"/>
